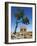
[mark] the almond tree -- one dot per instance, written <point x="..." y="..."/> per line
<point x="20" y="15"/>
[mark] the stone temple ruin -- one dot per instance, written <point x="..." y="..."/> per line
<point x="22" y="34"/>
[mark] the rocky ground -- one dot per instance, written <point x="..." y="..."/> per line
<point x="20" y="36"/>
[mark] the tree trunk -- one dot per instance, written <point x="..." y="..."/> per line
<point x="16" y="27"/>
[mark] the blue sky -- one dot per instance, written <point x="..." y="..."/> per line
<point x="27" y="11"/>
